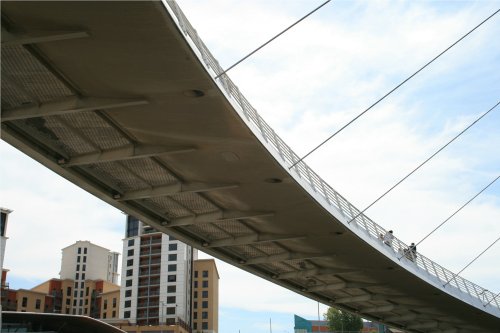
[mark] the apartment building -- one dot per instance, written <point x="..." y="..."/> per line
<point x="82" y="262"/>
<point x="4" y="216"/>
<point x="205" y="296"/>
<point x="156" y="277"/>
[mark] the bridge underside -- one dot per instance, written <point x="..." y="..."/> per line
<point x="110" y="96"/>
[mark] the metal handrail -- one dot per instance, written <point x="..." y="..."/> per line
<point x="317" y="184"/>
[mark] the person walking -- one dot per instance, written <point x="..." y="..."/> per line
<point x="388" y="237"/>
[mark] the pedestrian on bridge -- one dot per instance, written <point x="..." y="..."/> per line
<point x="388" y="237"/>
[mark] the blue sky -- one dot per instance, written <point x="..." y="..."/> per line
<point x="307" y="84"/>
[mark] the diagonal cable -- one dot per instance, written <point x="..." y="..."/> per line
<point x="269" y="41"/>
<point x="470" y="263"/>
<point x="424" y="162"/>
<point x="394" y="89"/>
<point x="458" y="210"/>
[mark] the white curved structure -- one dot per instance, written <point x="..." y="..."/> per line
<point x="120" y="98"/>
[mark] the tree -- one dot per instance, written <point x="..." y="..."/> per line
<point x="342" y="321"/>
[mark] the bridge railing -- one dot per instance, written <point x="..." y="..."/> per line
<point x="318" y="185"/>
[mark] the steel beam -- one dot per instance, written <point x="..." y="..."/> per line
<point x="123" y="153"/>
<point x="339" y="285"/>
<point x="168" y="190"/>
<point x="251" y="239"/>
<point x="68" y="105"/>
<point x="33" y="37"/>
<point x="217" y="216"/>
<point x="283" y="257"/>
<point x="314" y="272"/>
<point x="429" y="324"/>
<point x="401" y="318"/>
<point x="383" y="308"/>
<point x="351" y="299"/>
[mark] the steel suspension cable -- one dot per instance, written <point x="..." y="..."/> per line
<point x="269" y="41"/>
<point x="394" y="89"/>
<point x="424" y="162"/>
<point x="458" y="210"/>
<point x="491" y="300"/>
<point x="470" y="263"/>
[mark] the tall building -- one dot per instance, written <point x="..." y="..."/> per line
<point x="86" y="261"/>
<point x="205" y="296"/>
<point x="4" y="216"/>
<point x="156" y="277"/>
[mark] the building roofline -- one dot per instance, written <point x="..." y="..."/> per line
<point x="215" y="265"/>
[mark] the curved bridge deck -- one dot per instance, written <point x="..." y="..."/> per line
<point x="120" y="98"/>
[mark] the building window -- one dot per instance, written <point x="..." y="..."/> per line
<point x="132" y="226"/>
<point x="195" y="326"/>
<point x="204" y="315"/>
<point x="204" y="294"/>
<point x="78" y="259"/>
<point x="105" y="304"/>
<point x="84" y="259"/>
<point x="130" y="252"/>
<point x="130" y="262"/>
<point x="84" y="250"/>
<point x="172" y="278"/>
<point x="75" y="293"/>
<point x="83" y="267"/>
<point x="82" y="284"/>
<point x="172" y="257"/>
<point x="104" y="315"/>
<point x="128" y="283"/>
<point x="81" y="293"/>
<point x="68" y="291"/>
<point x="196" y="284"/>
<point x="128" y="293"/>
<point x="128" y="304"/>
<point x="195" y="305"/>
<point x="126" y="314"/>
<point x="172" y="238"/>
<point x="171" y="299"/>
<point x="130" y="242"/>
<point x="87" y="291"/>
<point x="86" y="301"/>
<point x="204" y="325"/>
<point x="172" y="268"/>
<point x="113" y="314"/>
<point x="172" y="247"/>
<point x="77" y="276"/>
<point x="195" y="294"/>
<point x="204" y="304"/>
<point x="205" y="274"/>
<point x="205" y="284"/>
<point x="114" y="302"/>
<point x="68" y="301"/>
<point x="81" y="302"/>
<point x="79" y="250"/>
<point x="76" y="285"/>
<point x="130" y="272"/>
<point x="83" y="276"/>
<point x="25" y="302"/>
<point x="195" y="274"/>
<point x="171" y="310"/>
<point x="77" y="267"/>
<point x="171" y="289"/>
<point x="85" y="312"/>
<point x="195" y="315"/>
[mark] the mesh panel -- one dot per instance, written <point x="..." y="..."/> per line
<point x="96" y="130"/>
<point x="75" y="145"/>
<point x="169" y="206"/>
<point x="208" y="231"/>
<point x="235" y="228"/>
<point x="268" y="248"/>
<point x="246" y="251"/>
<point x="124" y="179"/>
<point x="26" y="71"/>
<point x="150" y="171"/>
<point x="195" y="202"/>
